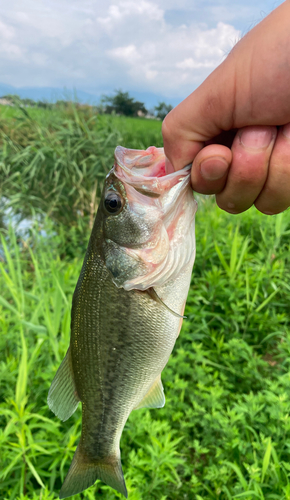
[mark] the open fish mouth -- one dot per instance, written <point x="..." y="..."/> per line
<point x="150" y="163"/>
<point x="146" y="170"/>
<point x="166" y="198"/>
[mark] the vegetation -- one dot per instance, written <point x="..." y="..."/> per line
<point x="162" y="109"/>
<point x="224" y="432"/>
<point x="122" y="104"/>
<point x="15" y="100"/>
<point x="54" y="162"/>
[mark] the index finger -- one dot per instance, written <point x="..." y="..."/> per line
<point x="197" y="119"/>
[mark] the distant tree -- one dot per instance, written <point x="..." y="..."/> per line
<point x="10" y="96"/>
<point x="44" y="104"/>
<point x="162" y="109"/>
<point x="18" y="101"/>
<point x="13" y="98"/>
<point x="63" y="103"/>
<point x="122" y="104"/>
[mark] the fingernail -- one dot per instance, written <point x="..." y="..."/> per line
<point x="255" y="138"/>
<point x="213" y="168"/>
<point x="286" y="130"/>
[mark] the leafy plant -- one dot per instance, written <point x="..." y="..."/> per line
<point x="224" y="432"/>
<point x="54" y="162"/>
<point x="122" y="104"/>
<point x="162" y="109"/>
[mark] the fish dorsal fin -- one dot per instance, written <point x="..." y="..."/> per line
<point x="62" y="397"/>
<point x="154" y="295"/>
<point x="154" y="398"/>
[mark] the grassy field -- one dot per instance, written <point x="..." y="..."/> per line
<point x="136" y="131"/>
<point x="54" y="161"/>
<point x="224" y="432"/>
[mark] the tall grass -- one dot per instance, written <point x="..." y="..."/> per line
<point x="224" y="432"/>
<point x="55" y="162"/>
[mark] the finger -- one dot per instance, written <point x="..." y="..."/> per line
<point x="275" y="196"/>
<point x="210" y="169"/>
<point x="238" y="93"/>
<point x="179" y="147"/>
<point x="226" y="137"/>
<point x="251" y="152"/>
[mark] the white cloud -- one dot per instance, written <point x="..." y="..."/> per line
<point x="99" y="45"/>
<point x="129" y="9"/>
<point x="9" y="49"/>
<point x="189" y="63"/>
<point x="6" y="32"/>
<point x="127" y="54"/>
<point x="171" y="57"/>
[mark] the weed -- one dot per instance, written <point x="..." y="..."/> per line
<point x="224" y="432"/>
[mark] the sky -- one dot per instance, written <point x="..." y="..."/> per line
<point x="155" y="49"/>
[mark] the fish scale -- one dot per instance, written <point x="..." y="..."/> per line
<point x="121" y="338"/>
<point x="127" y="337"/>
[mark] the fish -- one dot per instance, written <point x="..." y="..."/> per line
<point x="127" y="309"/>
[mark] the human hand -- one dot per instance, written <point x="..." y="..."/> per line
<point x="247" y="97"/>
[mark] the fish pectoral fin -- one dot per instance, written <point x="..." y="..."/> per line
<point x="62" y="397"/>
<point x="83" y="473"/>
<point x="155" y="396"/>
<point x="154" y="295"/>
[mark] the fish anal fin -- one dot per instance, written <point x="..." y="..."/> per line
<point x="83" y="473"/>
<point x="62" y="397"/>
<point x="154" y="398"/>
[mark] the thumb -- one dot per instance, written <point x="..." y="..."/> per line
<point x="250" y="87"/>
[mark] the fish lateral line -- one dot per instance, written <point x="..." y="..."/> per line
<point x="154" y="295"/>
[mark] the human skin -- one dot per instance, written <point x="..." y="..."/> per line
<point x="247" y="97"/>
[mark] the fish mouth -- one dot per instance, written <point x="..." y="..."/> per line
<point x="146" y="170"/>
<point x="149" y="163"/>
<point x="164" y="202"/>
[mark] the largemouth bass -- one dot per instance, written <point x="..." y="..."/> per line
<point x="127" y="310"/>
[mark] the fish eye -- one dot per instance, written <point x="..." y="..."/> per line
<point x="113" y="202"/>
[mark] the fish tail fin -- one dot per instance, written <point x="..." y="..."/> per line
<point x="84" y="473"/>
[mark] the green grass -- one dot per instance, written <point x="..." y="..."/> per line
<point x="137" y="131"/>
<point x="54" y="161"/>
<point x="225" y="430"/>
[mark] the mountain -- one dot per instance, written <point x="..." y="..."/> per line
<point x="52" y="94"/>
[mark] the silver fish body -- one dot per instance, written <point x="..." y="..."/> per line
<point x="139" y="257"/>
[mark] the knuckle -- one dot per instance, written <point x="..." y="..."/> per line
<point x="167" y="128"/>
<point x="171" y="128"/>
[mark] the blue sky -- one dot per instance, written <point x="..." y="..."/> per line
<point x="156" y="49"/>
